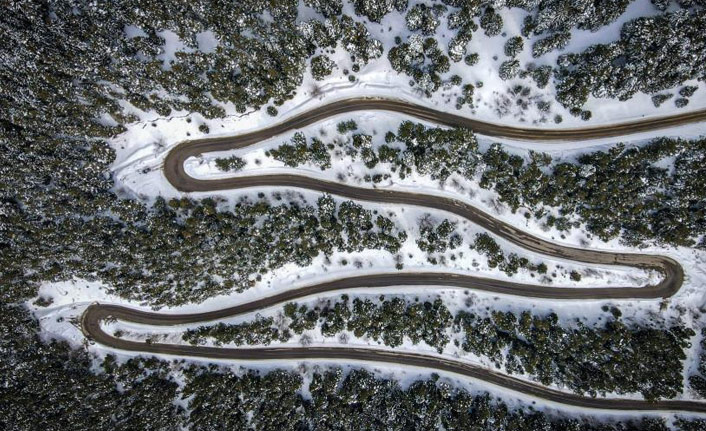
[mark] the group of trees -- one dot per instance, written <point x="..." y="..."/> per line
<point x="685" y="92"/>
<point x="321" y="67"/>
<point x="299" y="152"/>
<point x="421" y="59"/>
<point x="424" y="19"/>
<point x="436" y="238"/>
<point x="463" y="24"/>
<point x="49" y="385"/>
<point x="622" y="192"/>
<point x="388" y="321"/>
<point x="641" y="61"/>
<point x="230" y="164"/>
<point x="260" y="331"/>
<point x="613" y="357"/>
<point x="272" y="55"/>
<point x="436" y="152"/>
<point x="648" y="58"/>
<point x="663" y="4"/>
<point x="344" y="31"/>
<point x="554" y="19"/>
<point x="184" y="251"/>
<point x="250" y="238"/>
<point x="433" y="151"/>
<point x="375" y="10"/>
<point x="487" y="246"/>
<point x="359" y="400"/>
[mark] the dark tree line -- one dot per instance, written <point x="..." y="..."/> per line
<point x="50" y="386"/>
<point x="359" y="400"/>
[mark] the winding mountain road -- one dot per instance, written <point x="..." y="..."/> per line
<point x="672" y="272"/>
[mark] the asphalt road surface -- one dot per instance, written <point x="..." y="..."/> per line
<point x="671" y="281"/>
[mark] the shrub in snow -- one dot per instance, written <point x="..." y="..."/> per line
<point x="659" y="99"/>
<point x="491" y="22"/>
<point x="321" y="67"/>
<point x="230" y="164"/>
<point x="688" y="90"/>
<point x="509" y="69"/>
<point x="375" y="10"/>
<point x="681" y="102"/>
<point x="424" y="18"/>
<point x="514" y="46"/>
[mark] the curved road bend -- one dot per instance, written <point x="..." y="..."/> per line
<point x="175" y="173"/>
<point x="451" y="120"/>
<point x="96" y="313"/>
<point x="179" y="179"/>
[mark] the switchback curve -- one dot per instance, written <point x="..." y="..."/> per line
<point x="673" y="274"/>
<point x="96" y="313"/>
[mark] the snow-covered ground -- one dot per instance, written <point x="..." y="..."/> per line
<point x="378" y="79"/>
<point x="142" y="148"/>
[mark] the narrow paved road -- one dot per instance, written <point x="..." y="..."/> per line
<point x="95" y="314"/>
<point x="672" y="272"/>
